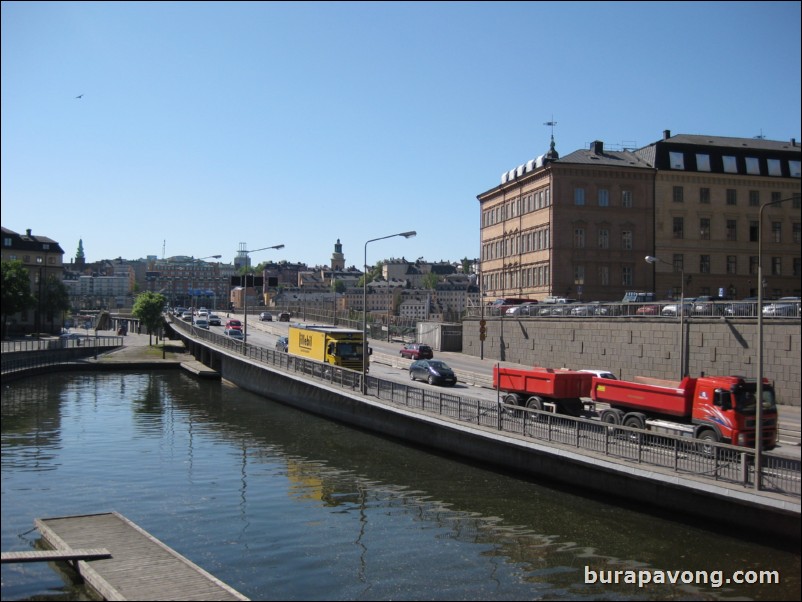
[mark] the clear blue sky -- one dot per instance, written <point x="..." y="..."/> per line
<point x="206" y="125"/>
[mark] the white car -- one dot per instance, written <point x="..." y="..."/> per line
<point x="201" y="323"/>
<point x="601" y="373"/>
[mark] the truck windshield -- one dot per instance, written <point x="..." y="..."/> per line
<point x="349" y="350"/>
<point x="745" y="398"/>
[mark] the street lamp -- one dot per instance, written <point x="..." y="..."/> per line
<point x="759" y="391"/>
<point x="409" y="234"/>
<point x="245" y="292"/>
<point x="680" y="310"/>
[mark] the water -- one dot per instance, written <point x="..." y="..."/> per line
<point x="283" y="505"/>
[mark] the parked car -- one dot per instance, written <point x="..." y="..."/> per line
<point x="594" y="308"/>
<point x="525" y="309"/>
<point x="783" y="307"/>
<point x="201" y="323"/>
<point x="601" y="373"/>
<point x="435" y="372"/>
<point x="707" y="305"/>
<point x="70" y="336"/>
<point x="416" y="351"/>
<point x="284" y="316"/>
<point x="233" y="324"/>
<point x="672" y="309"/>
<point x="650" y="309"/>
<point x="266" y="316"/>
<point x="234" y="333"/>
<point x="282" y="344"/>
<point x="214" y="320"/>
<point x="745" y="308"/>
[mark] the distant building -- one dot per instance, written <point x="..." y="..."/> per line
<point x="43" y="257"/>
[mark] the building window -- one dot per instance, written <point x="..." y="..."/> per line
<point x="754" y="198"/>
<point x="704" y="228"/>
<point x="604" y="238"/>
<point x="732" y="196"/>
<point x="704" y="196"/>
<point x="702" y="162"/>
<point x="679" y="194"/>
<point x="579" y="238"/>
<point x="730" y="164"/>
<point x="796" y="234"/>
<point x="579" y="196"/>
<point x="7" y="242"/>
<point x="679" y="227"/>
<point x="776" y="266"/>
<point x="797" y="266"/>
<point x="794" y="168"/>
<point x="732" y="229"/>
<point x="776" y="231"/>
<point x="776" y="196"/>
<point x="677" y="160"/>
<point x="752" y="166"/>
<point x="775" y="167"/>
<point x="754" y="231"/>
<point x="732" y="264"/>
<point x="604" y="275"/>
<point x="678" y="261"/>
<point x="626" y="276"/>
<point x="579" y="275"/>
<point x="626" y="240"/>
<point x="39" y="259"/>
<point x="604" y="198"/>
<point x="626" y="199"/>
<point x="704" y="264"/>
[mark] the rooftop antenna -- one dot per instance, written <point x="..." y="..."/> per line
<point x="164" y="243"/>
<point x="761" y="136"/>
<point x="551" y="123"/>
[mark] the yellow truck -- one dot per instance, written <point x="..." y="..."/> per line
<point x="337" y="346"/>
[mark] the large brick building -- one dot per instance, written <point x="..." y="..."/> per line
<point x="581" y="225"/>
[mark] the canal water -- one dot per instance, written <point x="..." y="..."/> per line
<point x="282" y="505"/>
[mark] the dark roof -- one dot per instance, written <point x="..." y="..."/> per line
<point x="591" y="156"/>
<point x="727" y="142"/>
<point x="30" y="242"/>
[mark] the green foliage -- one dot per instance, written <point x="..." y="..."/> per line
<point x="16" y="290"/>
<point x="429" y="281"/>
<point x="148" y="308"/>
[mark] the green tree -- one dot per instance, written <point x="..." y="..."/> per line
<point x="16" y="291"/>
<point x="148" y="308"/>
<point x="429" y="281"/>
<point x="55" y="298"/>
<point x="466" y="265"/>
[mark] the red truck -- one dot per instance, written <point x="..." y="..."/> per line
<point x="711" y="408"/>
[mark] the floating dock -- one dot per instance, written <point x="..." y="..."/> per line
<point x="137" y="566"/>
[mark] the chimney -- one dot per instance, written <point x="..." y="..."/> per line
<point x="28" y="232"/>
<point x="666" y="134"/>
<point x="597" y="146"/>
<point x="793" y="141"/>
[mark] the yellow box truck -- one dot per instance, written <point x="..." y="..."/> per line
<point x="337" y="346"/>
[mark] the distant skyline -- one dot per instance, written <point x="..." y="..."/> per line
<point x="172" y="128"/>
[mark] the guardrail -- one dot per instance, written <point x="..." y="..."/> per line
<point x="681" y="455"/>
<point x="24" y="355"/>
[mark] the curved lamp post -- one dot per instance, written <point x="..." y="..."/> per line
<point x="759" y="391"/>
<point x="365" y="349"/>
<point x="245" y="295"/>
<point x="680" y="310"/>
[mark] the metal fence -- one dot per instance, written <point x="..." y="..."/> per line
<point x="38" y="353"/>
<point x="680" y="455"/>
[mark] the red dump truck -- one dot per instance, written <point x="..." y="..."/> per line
<point x="711" y="408"/>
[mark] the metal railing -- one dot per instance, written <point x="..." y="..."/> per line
<point x="679" y="455"/>
<point x="28" y="354"/>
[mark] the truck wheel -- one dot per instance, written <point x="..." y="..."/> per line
<point x="534" y="403"/>
<point x="570" y="407"/>
<point x="512" y="399"/>
<point x="612" y="416"/>
<point x="635" y="420"/>
<point x="706" y="437"/>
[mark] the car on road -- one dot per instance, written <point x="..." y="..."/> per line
<point x="201" y="322"/>
<point x="708" y="305"/>
<point x="282" y="344"/>
<point x="601" y="373"/>
<point x="187" y="316"/>
<point x="524" y="309"/>
<point x="284" y="316"/>
<point x="234" y="333"/>
<point x="70" y="336"/>
<point x="672" y="309"/>
<point x="214" y="320"/>
<point x="416" y="351"/>
<point x="266" y="316"/>
<point x="435" y="372"/>
<point x="782" y="307"/>
<point x="650" y="309"/>
<point x="233" y="324"/>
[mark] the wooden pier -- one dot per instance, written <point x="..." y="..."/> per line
<point x="137" y="566"/>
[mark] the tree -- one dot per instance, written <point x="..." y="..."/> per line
<point x="16" y="292"/>
<point x="148" y="308"/>
<point x="429" y="281"/>
<point x="55" y="298"/>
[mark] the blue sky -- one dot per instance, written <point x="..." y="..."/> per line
<point x="206" y="125"/>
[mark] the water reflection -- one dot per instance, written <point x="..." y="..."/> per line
<point x="284" y="505"/>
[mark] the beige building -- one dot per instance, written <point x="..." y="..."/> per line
<point x="708" y="195"/>
<point x="580" y="226"/>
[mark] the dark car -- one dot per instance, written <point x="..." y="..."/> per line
<point x="743" y="308"/>
<point x="266" y="316"/>
<point x="784" y="306"/>
<point x="416" y="351"/>
<point x="284" y="316"/>
<point x="282" y="344"/>
<point x="435" y="372"/>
